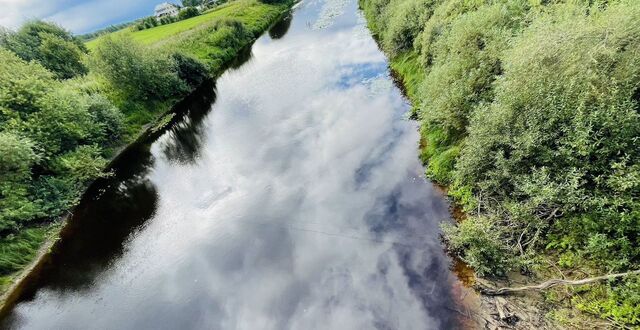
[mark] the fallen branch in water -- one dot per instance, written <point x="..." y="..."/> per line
<point x="551" y="283"/>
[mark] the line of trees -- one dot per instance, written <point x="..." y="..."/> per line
<point x="112" y="28"/>
<point x="530" y="112"/>
<point x="189" y="10"/>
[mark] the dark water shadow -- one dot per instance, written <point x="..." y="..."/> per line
<point x="185" y="137"/>
<point x="281" y="28"/>
<point x="244" y="55"/>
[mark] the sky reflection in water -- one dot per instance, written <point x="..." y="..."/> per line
<point x="295" y="203"/>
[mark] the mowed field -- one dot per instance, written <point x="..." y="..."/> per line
<point x="244" y="10"/>
<point x="215" y="37"/>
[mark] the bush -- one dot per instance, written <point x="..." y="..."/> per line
<point x="147" y="23"/>
<point x="83" y="164"/>
<point x="51" y="139"/>
<point x="18" y="157"/>
<point x="136" y="71"/>
<point x="216" y="43"/>
<point x="190" y="70"/>
<point x="167" y="20"/>
<point x="107" y="117"/>
<point x="531" y="111"/>
<point x="478" y="240"/>
<point x="62" y="124"/>
<point x="188" y="13"/>
<point x="21" y="86"/>
<point x="462" y="62"/>
<point x="55" y="48"/>
<point x="404" y="23"/>
<point x="566" y="143"/>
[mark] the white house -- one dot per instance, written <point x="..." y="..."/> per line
<point x="166" y="9"/>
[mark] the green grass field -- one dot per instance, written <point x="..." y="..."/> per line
<point x="235" y="9"/>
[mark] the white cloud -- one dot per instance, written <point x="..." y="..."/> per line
<point x="14" y="12"/>
<point x="74" y="15"/>
<point x="272" y="227"/>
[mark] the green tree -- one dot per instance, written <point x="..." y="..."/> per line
<point x="55" y="48"/>
<point x="191" y="3"/>
<point x="18" y="156"/>
<point x="21" y="86"/>
<point x="135" y="70"/>
<point x="188" y="13"/>
<point x="61" y="56"/>
<point x="107" y="117"/>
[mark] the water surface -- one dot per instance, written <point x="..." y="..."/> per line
<point x="288" y="196"/>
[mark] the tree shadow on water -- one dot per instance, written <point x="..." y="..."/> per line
<point x="281" y="28"/>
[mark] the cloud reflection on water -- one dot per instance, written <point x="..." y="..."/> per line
<point x="304" y="208"/>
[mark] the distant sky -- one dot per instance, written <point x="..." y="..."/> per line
<point x="79" y="16"/>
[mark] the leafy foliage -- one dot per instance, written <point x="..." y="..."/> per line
<point x="149" y="22"/>
<point x="55" y="48"/>
<point x="47" y="126"/>
<point x="530" y="111"/>
<point x="188" y="13"/>
<point x="136" y="71"/>
<point x="191" y="3"/>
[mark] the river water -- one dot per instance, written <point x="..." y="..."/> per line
<point x="289" y="195"/>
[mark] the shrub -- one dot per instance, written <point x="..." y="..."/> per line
<point x="216" y="43"/>
<point x="21" y="86"/>
<point x="50" y="139"/>
<point x="463" y="61"/>
<point x="83" y="164"/>
<point x="18" y="156"/>
<point x="531" y="111"/>
<point x="478" y="240"/>
<point x="167" y="20"/>
<point x="188" y="13"/>
<point x="190" y="70"/>
<point x="62" y="123"/>
<point x="566" y="143"/>
<point x="136" y="71"/>
<point x="107" y="117"/>
<point x="55" y="48"/>
<point x="404" y="23"/>
<point x="147" y="23"/>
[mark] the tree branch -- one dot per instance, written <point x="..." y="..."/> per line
<point x="551" y="283"/>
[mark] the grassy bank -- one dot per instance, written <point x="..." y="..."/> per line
<point x="529" y="113"/>
<point x="66" y="108"/>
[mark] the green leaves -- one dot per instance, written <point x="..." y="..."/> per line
<point x="530" y="111"/>
<point x="136" y="71"/>
<point x="18" y="156"/>
<point x="52" y="46"/>
<point x="52" y="137"/>
<point x="62" y="57"/>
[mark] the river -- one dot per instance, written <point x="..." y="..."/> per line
<point x="289" y="195"/>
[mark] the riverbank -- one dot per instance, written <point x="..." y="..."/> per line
<point x="253" y="17"/>
<point x="483" y="137"/>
